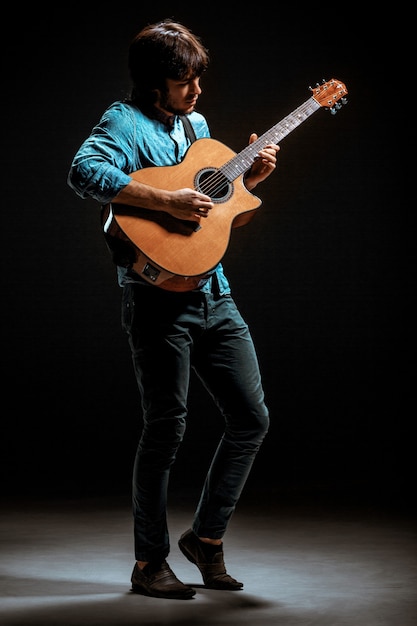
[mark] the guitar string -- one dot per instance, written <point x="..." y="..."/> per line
<point x="229" y="171"/>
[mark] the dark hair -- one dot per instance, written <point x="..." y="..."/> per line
<point x="164" y="50"/>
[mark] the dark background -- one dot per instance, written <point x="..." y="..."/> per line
<point x="323" y="274"/>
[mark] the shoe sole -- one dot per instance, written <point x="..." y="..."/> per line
<point x="179" y="596"/>
<point x="186" y="553"/>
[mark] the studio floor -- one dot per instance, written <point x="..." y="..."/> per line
<point x="68" y="563"/>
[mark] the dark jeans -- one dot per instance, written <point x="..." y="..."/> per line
<point x="169" y="334"/>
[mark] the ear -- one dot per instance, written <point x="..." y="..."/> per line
<point x="156" y="96"/>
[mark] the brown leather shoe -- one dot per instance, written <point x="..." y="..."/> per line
<point x="160" y="584"/>
<point x="213" y="571"/>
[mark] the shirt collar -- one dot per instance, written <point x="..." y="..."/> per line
<point x="159" y="115"/>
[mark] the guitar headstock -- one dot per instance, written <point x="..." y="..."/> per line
<point x="330" y="94"/>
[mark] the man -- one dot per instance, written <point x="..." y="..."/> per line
<point x="174" y="331"/>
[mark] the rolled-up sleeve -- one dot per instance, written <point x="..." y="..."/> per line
<point x="101" y="166"/>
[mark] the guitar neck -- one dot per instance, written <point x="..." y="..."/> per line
<point x="243" y="161"/>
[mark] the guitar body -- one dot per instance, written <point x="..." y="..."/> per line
<point x="177" y="254"/>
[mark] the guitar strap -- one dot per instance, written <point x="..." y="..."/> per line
<point x="188" y="127"/>
<point x="189" y="131"/>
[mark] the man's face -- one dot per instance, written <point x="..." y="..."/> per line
<point x="180" y="96"/>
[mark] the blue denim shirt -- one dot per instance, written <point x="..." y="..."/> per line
<point x="124" y="141"/>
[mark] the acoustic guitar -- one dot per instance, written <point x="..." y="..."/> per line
<point x="177" y="255"/>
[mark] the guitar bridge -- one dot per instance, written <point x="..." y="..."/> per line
<point x="151" y="272"/>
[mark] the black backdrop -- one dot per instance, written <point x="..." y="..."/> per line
<point x="322" y="273"/>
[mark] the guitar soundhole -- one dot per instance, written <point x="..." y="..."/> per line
<point x="214" y="184"/>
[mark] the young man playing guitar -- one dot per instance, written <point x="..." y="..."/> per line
<point x="177" y="318"/>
